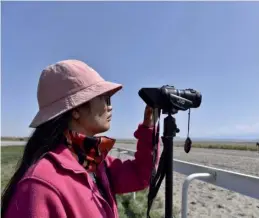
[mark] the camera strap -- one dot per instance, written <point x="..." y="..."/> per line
<point x="156" y="176"/>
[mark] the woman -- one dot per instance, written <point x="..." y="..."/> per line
<point x="65" y="170"/>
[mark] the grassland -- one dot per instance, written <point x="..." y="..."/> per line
<point x="9" y="158"/>
<point x="8" y="138"/>
<point x="242" y="147"/>
<point x="249" y="146"/>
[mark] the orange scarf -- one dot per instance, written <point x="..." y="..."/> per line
<point x="88" y="151"/>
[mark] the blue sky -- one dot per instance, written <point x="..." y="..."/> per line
<point x="211" y="47"/>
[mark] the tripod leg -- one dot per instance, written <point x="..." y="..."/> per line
<point x="170" y="130"/>
<point x="169" y="181"/>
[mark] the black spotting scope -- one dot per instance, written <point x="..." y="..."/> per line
<point x="169" y="99"/>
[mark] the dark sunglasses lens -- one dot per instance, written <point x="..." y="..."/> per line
<point x="108" y="101"/>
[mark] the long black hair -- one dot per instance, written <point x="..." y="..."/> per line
<point x="45" y="138"/>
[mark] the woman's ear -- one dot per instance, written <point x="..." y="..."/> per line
<point x="75" y="114"/>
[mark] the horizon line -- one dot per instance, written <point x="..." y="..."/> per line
<point x="177" y="138"/>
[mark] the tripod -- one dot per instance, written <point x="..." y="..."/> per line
<point x="170" y="100"/>
<point x="165" y="167"/>
<point x="170" y="130"/>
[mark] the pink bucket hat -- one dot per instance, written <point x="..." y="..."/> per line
<point x="66" y="85"/>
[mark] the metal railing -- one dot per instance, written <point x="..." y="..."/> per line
<point x="241" y="183"/>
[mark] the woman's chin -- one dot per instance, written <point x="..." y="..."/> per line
<point x="108" y="125"/>
<point x="105" y="127"/>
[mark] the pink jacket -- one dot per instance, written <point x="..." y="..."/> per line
<point x="58" y="186"/>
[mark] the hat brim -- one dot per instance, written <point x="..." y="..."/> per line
<point x="65" y="104"/>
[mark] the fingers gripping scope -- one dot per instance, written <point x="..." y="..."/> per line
<point x="169" y="99"/>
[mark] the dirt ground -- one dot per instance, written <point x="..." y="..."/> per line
<point x="206" y="200"/>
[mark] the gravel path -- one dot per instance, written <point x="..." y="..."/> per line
<point x="205" y="200"/>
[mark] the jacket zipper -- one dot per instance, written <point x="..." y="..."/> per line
<point x="107" y="182"/>
<point x="99" y="195"/>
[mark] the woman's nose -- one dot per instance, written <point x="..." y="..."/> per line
<point x="109" y="108"/>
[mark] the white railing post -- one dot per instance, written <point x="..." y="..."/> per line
<point x="134" y="195"/>
<point x="185" y="187"/>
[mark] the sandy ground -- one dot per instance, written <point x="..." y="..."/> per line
<point x="205" y="200"/>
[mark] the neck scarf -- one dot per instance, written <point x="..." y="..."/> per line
<point x="88" y="151"/>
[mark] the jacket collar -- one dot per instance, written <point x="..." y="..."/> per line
<point x="63" y="156"/>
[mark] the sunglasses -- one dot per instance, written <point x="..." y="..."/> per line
<point x="107" y="99"/>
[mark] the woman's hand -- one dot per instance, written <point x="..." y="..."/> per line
<point x="148" y="117"/>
